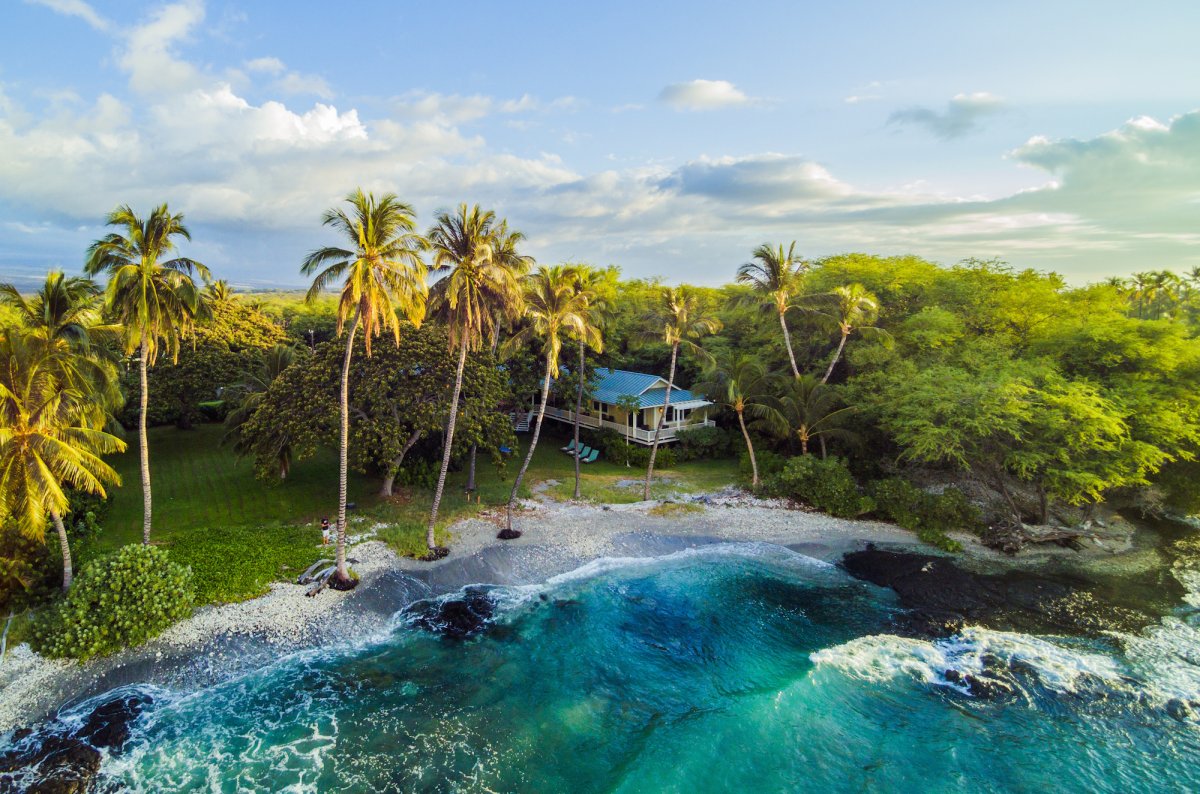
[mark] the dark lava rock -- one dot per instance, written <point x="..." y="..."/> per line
<point x="982" y="687"/>
<point x="456" y="618"/>
<point x="924" y="582"/>
<point x="932" y="625"/>
<point x="56" y="764"/>
<point x="109" y="725"/>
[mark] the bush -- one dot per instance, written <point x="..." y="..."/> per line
<point x="770" y="465"/>
<point x="702" y="443"/>
<point x="825" y="484"/>
<point x="233" y="564"/>
<point x="615" y="449"/>
<point x="119" y="601"/>
<point x="931" y="516"/>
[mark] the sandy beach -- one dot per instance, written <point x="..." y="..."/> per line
<point x="217" y="642"/>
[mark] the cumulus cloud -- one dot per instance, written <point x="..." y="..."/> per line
<point x="703" y="95"/>
<point x="961" y="117"/>
<point x="266" y="65"/>
<point x="149" y="54"/>
<point x="74" y="8"/>
<point x="295" y="83"/>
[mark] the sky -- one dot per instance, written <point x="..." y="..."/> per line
<point x="667" y="138"/>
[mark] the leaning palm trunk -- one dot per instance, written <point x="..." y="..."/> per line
<point x="578" y="408"/>
<point x="837" y="354"/>
<point x="662" y="419"/>
<point x="508" y="533"/>
<point x="430" y="541"/>
<point x="68" y="570"/>
<point x="787" y="341"/>
<point x="749" y="450"/>
<point x="343" y="575"/>
<point x="143" y="442"/>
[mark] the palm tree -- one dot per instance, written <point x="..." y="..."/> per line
<point x="742" y="385"/>
<point x="218" y="292"/>
<point x="854" y="309"/>
<point x="248" y="393"/>
<point x="678" y="320"/>
<point x="776" y="276"/>
<point x="63" y="316"/>
<point x="382" y="278"/>
<point x="481" y="286"/>
<point x="554" y="305"/>
<point x="156" y="301"/>
<point x="49" y="438"/>
<point x="807" y="411"/>
<point x="597" y="287"/>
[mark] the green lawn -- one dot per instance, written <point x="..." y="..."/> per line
<point x="239" y="533"/>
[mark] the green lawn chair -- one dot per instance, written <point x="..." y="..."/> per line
<point x="591" y="458"/>
<point x="569" y="448"/>
<point x="584" y="449"/>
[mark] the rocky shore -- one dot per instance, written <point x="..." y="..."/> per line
<point x="222" y="641"/>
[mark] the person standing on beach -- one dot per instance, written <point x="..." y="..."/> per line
<point x="325" y="531"/>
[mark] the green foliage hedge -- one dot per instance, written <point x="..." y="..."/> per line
<point x="234" y="564"/>
<point x="616" y="449"/>
<point x="702" y="443"/>
<point x="931" y="516"/>
<point x="825" y="484"/>
<point x="119" y="601"/>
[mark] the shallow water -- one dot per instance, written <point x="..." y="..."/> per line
<point x="729" y="668"/>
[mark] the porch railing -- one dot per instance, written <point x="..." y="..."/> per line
<point x="639" y="434"/>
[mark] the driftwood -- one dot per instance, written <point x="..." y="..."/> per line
<point x="1011" y="536"/>
<point x="319" y="580"/>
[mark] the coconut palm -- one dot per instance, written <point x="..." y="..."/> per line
<point x="155" y="299"/>
<point x="853" y="310"/>
<point x="382" y="279"/>
<point x="218" y="292"/>
<point x="776" y="276"/>
<point x="597" y="287"/>
<point x="678" y="319"/>
<point x="63" y="316"/>
<point x="743" y="385"/>
<point x="806" y="411"/>
<point x="49" y="438"/>
<point x="481" y="286"/>
<point x="247" y="394"/>
<point x="554" y="306"/>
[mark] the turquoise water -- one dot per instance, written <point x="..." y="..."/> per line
<point x="731" y="668"/>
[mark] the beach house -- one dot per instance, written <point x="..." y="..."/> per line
<point x="631" y="403"/>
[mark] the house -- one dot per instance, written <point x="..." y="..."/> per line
<point x="631" y="403"/>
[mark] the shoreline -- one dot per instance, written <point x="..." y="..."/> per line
<point x="219" y="642"/>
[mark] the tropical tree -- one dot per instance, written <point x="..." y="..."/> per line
<point x="383" y="278"/>
<point x="481" y="285"/>
<point x="678" y="319"/>
<point x="49" y="438"/>
<point x="807" y="410"/>
<point x="853" y="310"/>
<point x="597" y="288"/>
<point x="63" y="317"/>
<point x="554" y="306"/>
<point x="247" y="395"/>
<point x="776" y="276"/>
<point x="743" y="385"/>
<point x="218" y="291"/>
<point x="155" y="299"/>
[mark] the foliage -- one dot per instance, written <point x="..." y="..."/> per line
<point x="825" y="484"/>
<point x="617" y="449"/>
<point x="770" y="464"/>
<point x="119" y="602"/>
<point x="930" y="515"/>
<point x="273" y="553"/>
<point x="696" y="443"/>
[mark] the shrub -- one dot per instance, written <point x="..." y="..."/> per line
<point x="701" y="443"/>
<point x="931" y="516"/>
<point x="770" y="465"/>
<point x="235" y="563"/>
<point x="826" y="484"/>
<point x="119" y="601"/>
<point x="615" y="449"/>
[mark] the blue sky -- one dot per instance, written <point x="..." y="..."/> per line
<point x="667" y="138"/>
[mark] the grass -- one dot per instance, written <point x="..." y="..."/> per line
<point x="239" y="533"/>
<point x="675" y="509"/>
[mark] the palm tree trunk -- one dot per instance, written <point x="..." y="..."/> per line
<point x="68" y="571"/>
<point x="578" y="408"/>
<point x="343" y="574"/>
<point x="787" y="340"/>
<point x="749" y="450"/>
<point x="471" y="470"/>
<point x="837" y="354"/>
<point x="508" y="533"/>
<point x="434" y="551"/>
<point x="822" y="440"/>
<point x="662" y="419"/>
<point x="143" y="441"/>
<point x="803" y="445"/>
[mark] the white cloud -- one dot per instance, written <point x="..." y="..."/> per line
<point x="148" y="54"/>
<point x="703" y="95"/>
<point x="961" y="117"/>
<point x="294" y="83"/>
<point x="266" y="65"/>
<point x="75" y="8"/>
